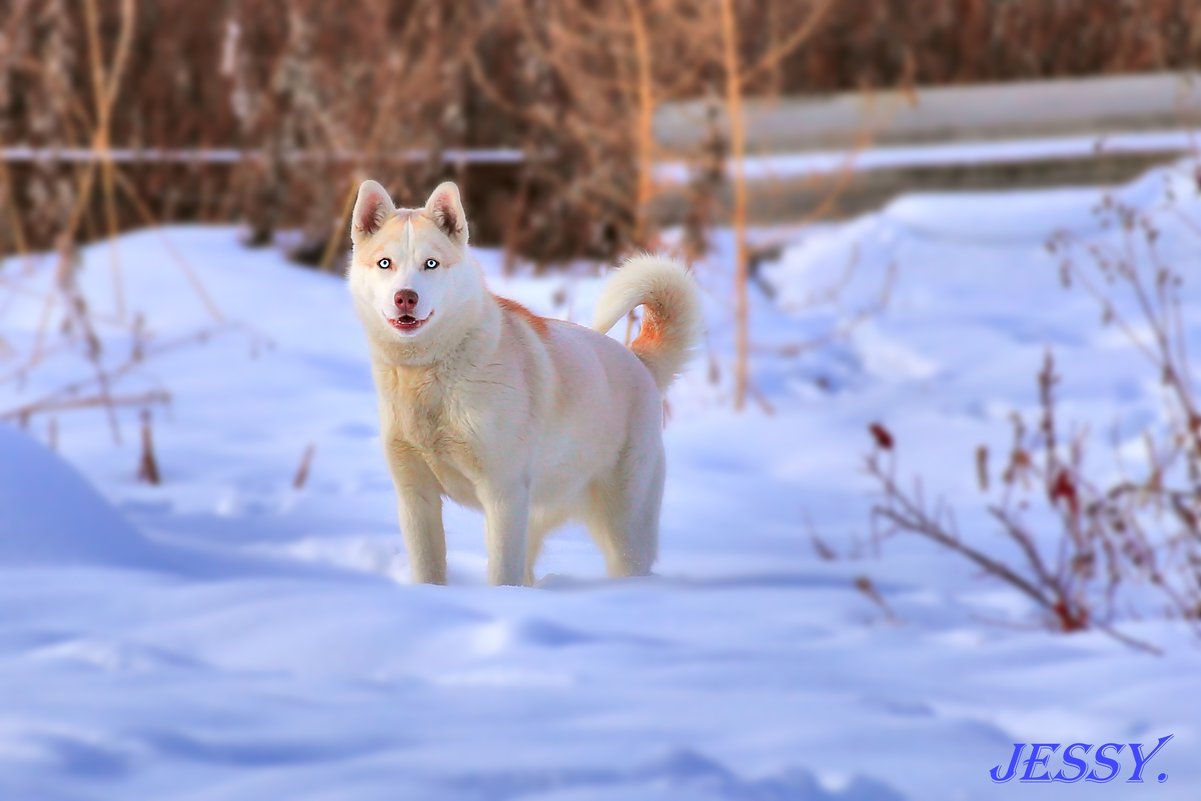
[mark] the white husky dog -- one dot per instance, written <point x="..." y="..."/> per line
<point x="533" y="420"/>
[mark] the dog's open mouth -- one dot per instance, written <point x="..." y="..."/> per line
<point x="407" y="323"/>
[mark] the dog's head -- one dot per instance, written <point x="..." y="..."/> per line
<point x="409" y="269"/>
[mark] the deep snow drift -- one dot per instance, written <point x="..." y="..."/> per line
<point x="53" y="516"/>
<point x="227" y="636"/>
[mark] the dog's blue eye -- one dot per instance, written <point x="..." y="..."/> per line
<point x="384" y="263"/>
<point x="431" y="264"/>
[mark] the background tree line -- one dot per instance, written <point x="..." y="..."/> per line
<point x="293" y="103"/>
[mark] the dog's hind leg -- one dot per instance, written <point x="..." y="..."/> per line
<point x="542" y="523"/>
<point x="623" y="513"/>
<point x="533" y="549"/>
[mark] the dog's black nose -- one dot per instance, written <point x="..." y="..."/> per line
<point x="406" y="301"/>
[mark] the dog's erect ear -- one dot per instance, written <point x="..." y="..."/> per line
<point x="446" y="208"/>
<point x="371" y="209"/>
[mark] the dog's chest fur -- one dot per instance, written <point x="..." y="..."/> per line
<point x="418" y="413"/>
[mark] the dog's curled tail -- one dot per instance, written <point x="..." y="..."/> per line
<point x="671" y="322"/>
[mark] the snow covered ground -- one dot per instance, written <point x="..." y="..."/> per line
<point x="225" y="636"/>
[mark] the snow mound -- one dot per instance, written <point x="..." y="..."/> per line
<point x="51" y="515"/>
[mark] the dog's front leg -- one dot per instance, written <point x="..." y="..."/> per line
<point x="506" y="527"/>
<point x="420" y="503"/>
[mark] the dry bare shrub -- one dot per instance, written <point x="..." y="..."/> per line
<point x="1120" y="545"/>
<point x="1073" y="577"/>
<point x="1152" y="514"/>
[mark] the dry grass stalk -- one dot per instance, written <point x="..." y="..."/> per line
<point x="24" y="412"/>
<point x="733" y="97"/>
<point x="302" y="471"/>
<point x="148" y="471"/>
<point x="645" y="118"/>
<point x="866" y="586"/>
